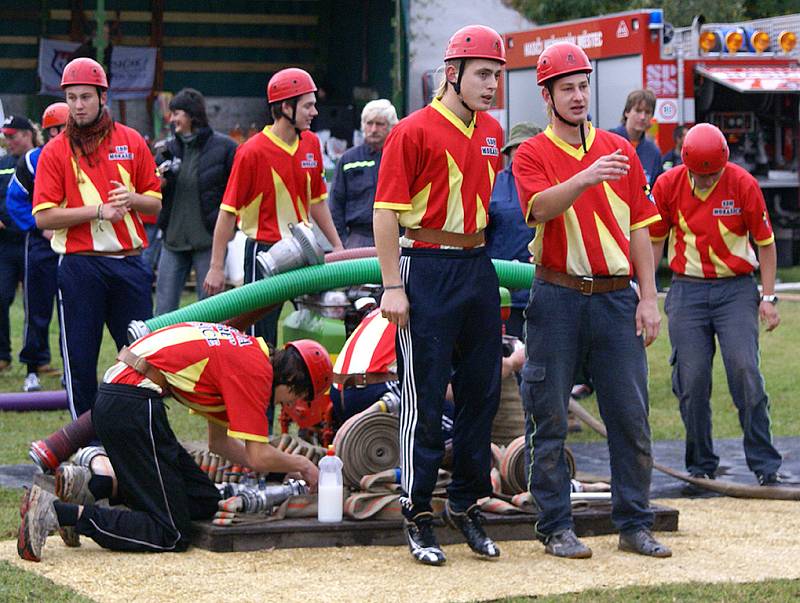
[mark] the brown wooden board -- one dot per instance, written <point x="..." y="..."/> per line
<point x="254" y="534"/>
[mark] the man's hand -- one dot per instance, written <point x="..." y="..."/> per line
<point x="114" y="211"/>
<point x="120" y="194"/>
<point x="648" y="320"/>
<point x="394" y="307"/>
<point x="768" y="312"/>
<point x="310" y="474"/>
<point x="608" y="167"/>
<point x="215" y="281"/>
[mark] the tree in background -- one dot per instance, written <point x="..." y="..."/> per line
<point x="677" y="12"/>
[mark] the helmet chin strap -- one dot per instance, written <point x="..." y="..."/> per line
<point x="293" y="103"/>
<point x="457" y="86"/>
<point x="574" y="124"/>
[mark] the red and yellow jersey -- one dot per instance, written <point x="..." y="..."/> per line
<point x="369" y="349"/>
<point x="123" y="156"/>
<point x="709" y="230"/>
<point x="593" y="236"/>
<point x="438" y="173"/>
<point x="273" y="184"/>
<point x="215" y="370"/>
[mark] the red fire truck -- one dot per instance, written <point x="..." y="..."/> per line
<point x="742" y="77"/>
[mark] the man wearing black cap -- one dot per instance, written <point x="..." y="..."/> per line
<point x="21" y="137"/>
<point x="194" y="166"/>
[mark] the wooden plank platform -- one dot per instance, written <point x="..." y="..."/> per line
<point x="255" y="534"/>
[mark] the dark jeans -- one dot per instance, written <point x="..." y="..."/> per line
<point x="158" y="481"/>
<point x="267" y="327"/>
<point x="173" y="270"/>
<point x="728" y="310"/>
<point x="41" y="286"/>
<point x="12" y="272"/>
<point x="93" y="292"/>
<point x="563" y="328"/>
<point x="453" y="335"/>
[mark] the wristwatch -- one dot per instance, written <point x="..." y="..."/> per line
<point x="773" y="299"/>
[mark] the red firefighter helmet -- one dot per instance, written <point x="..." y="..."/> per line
<point x="476" y="42"/>
<point x="55" y="115"/>
<point x="558" y="60"/>
<point x="288" y="83"/>
<point x="84" y="71"/>
<point x="705" y="149"/>
<point x="318" y="363"/>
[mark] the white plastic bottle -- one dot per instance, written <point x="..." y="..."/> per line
<point x="330" y="495"/>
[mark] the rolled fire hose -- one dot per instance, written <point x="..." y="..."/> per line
<point x="512" y="468"/>
<point x="715" y="485"/>
<point x="311" y="279"/>
<point x="367" y="443"/>
<point x="52" y="400"/>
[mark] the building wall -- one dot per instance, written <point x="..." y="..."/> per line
<point x="432" y="22"/>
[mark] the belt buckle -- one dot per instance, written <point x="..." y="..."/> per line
<point x="360" y="381"/>
<point x="587" y="285"/>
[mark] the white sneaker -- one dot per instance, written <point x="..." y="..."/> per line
<point x="31" y="383"/>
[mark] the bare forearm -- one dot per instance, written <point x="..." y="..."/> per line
<point x="322" y="216"/>
<point x="223" y="232"/>
<point x="387" y="232"/>
<point x="643" y="265"/>
<point x="768" y="258"/>
<point x="56" y="218"/>
<point x="145" y="204"/>
<point x="264" y="458"/>
<point x="658" y="251"/>
<point x="557" y="199"/>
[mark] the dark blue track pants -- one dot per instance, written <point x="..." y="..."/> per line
<point x="97" y="291"/>
<point x="453" y="335"/>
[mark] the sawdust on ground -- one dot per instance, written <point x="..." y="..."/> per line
<point x="719" y="540"/>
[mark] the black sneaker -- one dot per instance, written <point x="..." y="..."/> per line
<point x="693" y="490"/>
<point x="422" y="540"/>
<point x="470" y="524"/>
<point x="769" y="479"/>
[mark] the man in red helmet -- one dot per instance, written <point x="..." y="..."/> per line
<point x="93" y="182"/>
<point x="710" y="209"/>
<point x="265" y="202"/>
<point x="585" y="192"/>
<point x="147" y="469"/>
<point x="436" y="180"/>
<point x="41" y="262"/>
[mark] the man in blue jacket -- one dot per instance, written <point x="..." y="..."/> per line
<point x="41" y="262"/>
<point x="356" y="177"/>
<point x="20" y="137"/>
<point x="639" y="109"/>
<point x="507" y="235"/>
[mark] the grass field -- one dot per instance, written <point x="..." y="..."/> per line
<point x="780" y="364"/>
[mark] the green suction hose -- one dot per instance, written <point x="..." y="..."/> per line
<point x="311" y="279"/>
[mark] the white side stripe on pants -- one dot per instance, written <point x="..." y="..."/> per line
<point x="408" y="401"/>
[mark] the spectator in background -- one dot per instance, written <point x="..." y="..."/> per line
<point x="639" y="109"/>
<point x="21" y="137"/>
<point x="507" y="235"/>
<point x="194" y="167"/>
<point x="353" y="190"/>
<point x="41" y="262"/>
<point x="672" y="158"/>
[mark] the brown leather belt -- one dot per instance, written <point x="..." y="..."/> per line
<point x="585" y="284"/>
<point x="364" y="379"/>
<point x="443" y="237"/>
<point x="120" y="253"/>
<point x="141" y="366"/>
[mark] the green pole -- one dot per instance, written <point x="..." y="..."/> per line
<point x="99" y="34"/>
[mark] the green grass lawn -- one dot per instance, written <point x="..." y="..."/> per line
<point x="780" y="364"/>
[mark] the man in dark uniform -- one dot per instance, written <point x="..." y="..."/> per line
<point x="353" y="189"/>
